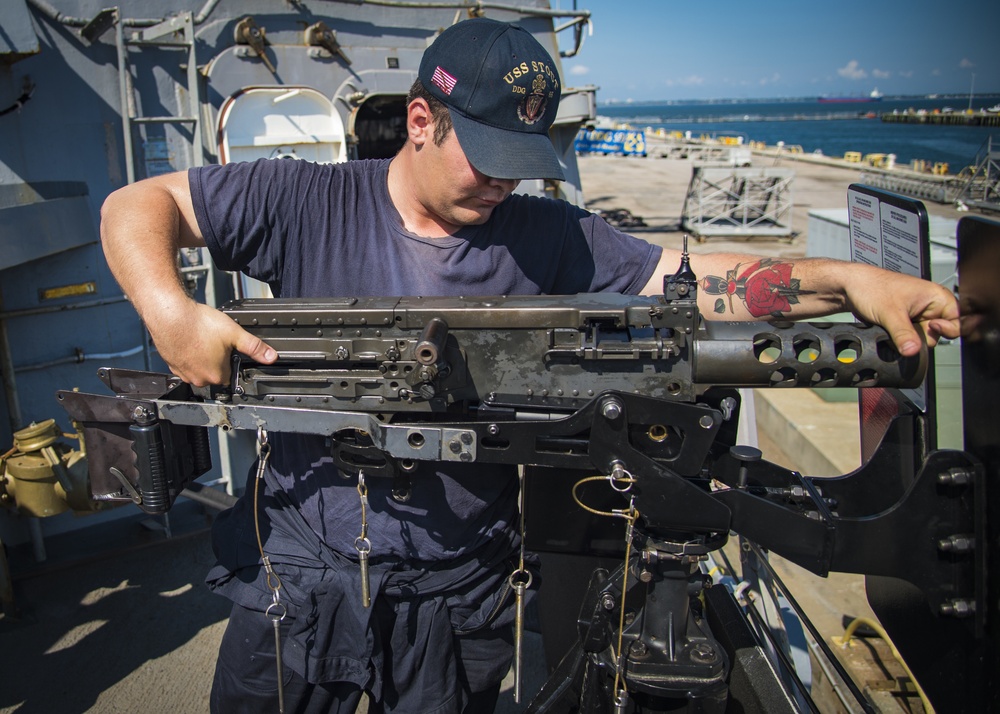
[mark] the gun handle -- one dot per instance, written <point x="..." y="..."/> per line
<point x="150" y="462"/>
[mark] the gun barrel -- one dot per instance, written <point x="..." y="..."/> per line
<point x="802" y="354"/>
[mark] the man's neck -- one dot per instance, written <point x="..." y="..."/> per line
<point x="416" y="218"/>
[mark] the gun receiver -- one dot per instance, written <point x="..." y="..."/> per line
<point x="385" y="355"/>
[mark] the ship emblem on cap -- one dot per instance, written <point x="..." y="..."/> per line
<point x="532" y="107"/>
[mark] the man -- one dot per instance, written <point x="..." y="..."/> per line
<point x="438" y="219"/>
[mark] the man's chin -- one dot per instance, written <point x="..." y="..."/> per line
<point x="474" y="216"/>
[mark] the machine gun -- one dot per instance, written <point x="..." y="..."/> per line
<point x="639" y="389"/>
<point x="488" y="379"/>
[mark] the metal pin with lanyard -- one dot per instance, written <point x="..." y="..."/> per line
<point x="362" y="544"/>
<point x="520" y="581"/>
<point x="276" y="611"/>
<point x="622" y="481"/>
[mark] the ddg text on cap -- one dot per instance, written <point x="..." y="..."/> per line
<point x="502" y="91"/>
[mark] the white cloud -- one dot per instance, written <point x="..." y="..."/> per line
<point x="935" y="73"/>
<point x="773" y="79"/>
<point x="966" y="63"/>
<point x="906" y="73"/>
<point x="881" y="73"/>
<point x="579" y="70"/>
<point x="689" y="81"/>
<point x="852" y="71"/>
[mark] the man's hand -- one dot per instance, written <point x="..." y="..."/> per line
<point x="197" y="342"/>
<point x="898" y="302"/>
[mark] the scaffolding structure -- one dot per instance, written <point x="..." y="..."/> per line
<point x="702" y="152"/>
<point x="926" y="187"/>
<point x="982" y="187"/>
<point x="728" y="201"/>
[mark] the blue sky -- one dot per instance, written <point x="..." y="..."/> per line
<point x="665" y="49"/>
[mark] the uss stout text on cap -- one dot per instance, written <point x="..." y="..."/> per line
<point x="502" y="91"/>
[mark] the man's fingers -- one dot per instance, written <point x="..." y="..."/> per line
<point x="904" y="334"/>
<point x="914" y="312"/>
<point x="949" y="328"/>
<point x="198" y="346"/>
<point x="255" y="348"/>
<point x="936" y="330"/>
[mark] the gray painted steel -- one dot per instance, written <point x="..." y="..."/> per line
<point x="17" y="37"/>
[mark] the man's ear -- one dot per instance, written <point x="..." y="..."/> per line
<point x="419" y="122"/>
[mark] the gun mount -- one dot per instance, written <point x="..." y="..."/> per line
<point x="640" y="389"/>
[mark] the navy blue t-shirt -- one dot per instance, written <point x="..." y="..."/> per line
<point x="331" y="230"/>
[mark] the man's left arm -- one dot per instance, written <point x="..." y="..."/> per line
<point x="743" y="287"/>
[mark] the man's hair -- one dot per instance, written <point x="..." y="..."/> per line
<point x="439" y="112"/>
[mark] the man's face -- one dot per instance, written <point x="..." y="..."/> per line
<point x="453" y="190"/>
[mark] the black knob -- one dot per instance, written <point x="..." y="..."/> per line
<point x="745" y="455"/>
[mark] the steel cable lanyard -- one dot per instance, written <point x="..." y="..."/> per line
<point x="276" y="611"/>
<point x="618" y="475"/>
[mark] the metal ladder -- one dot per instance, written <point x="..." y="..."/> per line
<point x="178" y="32"/>
<point x="174" y="32"/>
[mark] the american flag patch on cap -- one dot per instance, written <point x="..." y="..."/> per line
<point x="443" y="80"/>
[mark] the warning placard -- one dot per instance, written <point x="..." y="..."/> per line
<point x="884" y="235"/>
<point x="900" y="240"/>
<point x="866" y="236"/>
<point x="890" y="231"/>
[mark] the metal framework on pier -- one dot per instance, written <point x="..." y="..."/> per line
<point x="926" y="187"/>
<point x="726" y="201"/>
<point x="982" y="187"/>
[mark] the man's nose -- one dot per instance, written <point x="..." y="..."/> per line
<point x="507" y="185"/>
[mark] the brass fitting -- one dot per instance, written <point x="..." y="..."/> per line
<point x="42" y="476"/>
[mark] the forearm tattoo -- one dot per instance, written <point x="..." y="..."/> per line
<point x="765" y="287"/>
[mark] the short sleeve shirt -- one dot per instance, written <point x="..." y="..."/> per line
<point x="331" y="230"/>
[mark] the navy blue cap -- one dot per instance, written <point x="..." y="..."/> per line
<point x="502" y="91"/>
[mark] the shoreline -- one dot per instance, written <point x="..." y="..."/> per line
<point x="976" y="96"/>
<point x="927" y="129"/>
<point x="654" y="189"/>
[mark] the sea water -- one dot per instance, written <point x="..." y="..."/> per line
<point x="828" y="128"/>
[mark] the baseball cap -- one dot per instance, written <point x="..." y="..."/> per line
<point x="502" y="91"/>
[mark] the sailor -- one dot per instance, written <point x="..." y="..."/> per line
<point x="440" y="218"/>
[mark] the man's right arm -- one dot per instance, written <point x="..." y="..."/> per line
<point x="143" y="225"/>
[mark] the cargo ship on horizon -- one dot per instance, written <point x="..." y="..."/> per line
<point x="874" y="96"/>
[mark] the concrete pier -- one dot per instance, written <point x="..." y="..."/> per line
<point x="945" y="119"/>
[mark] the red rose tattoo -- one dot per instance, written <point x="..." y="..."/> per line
<point x="765" y="287"/>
